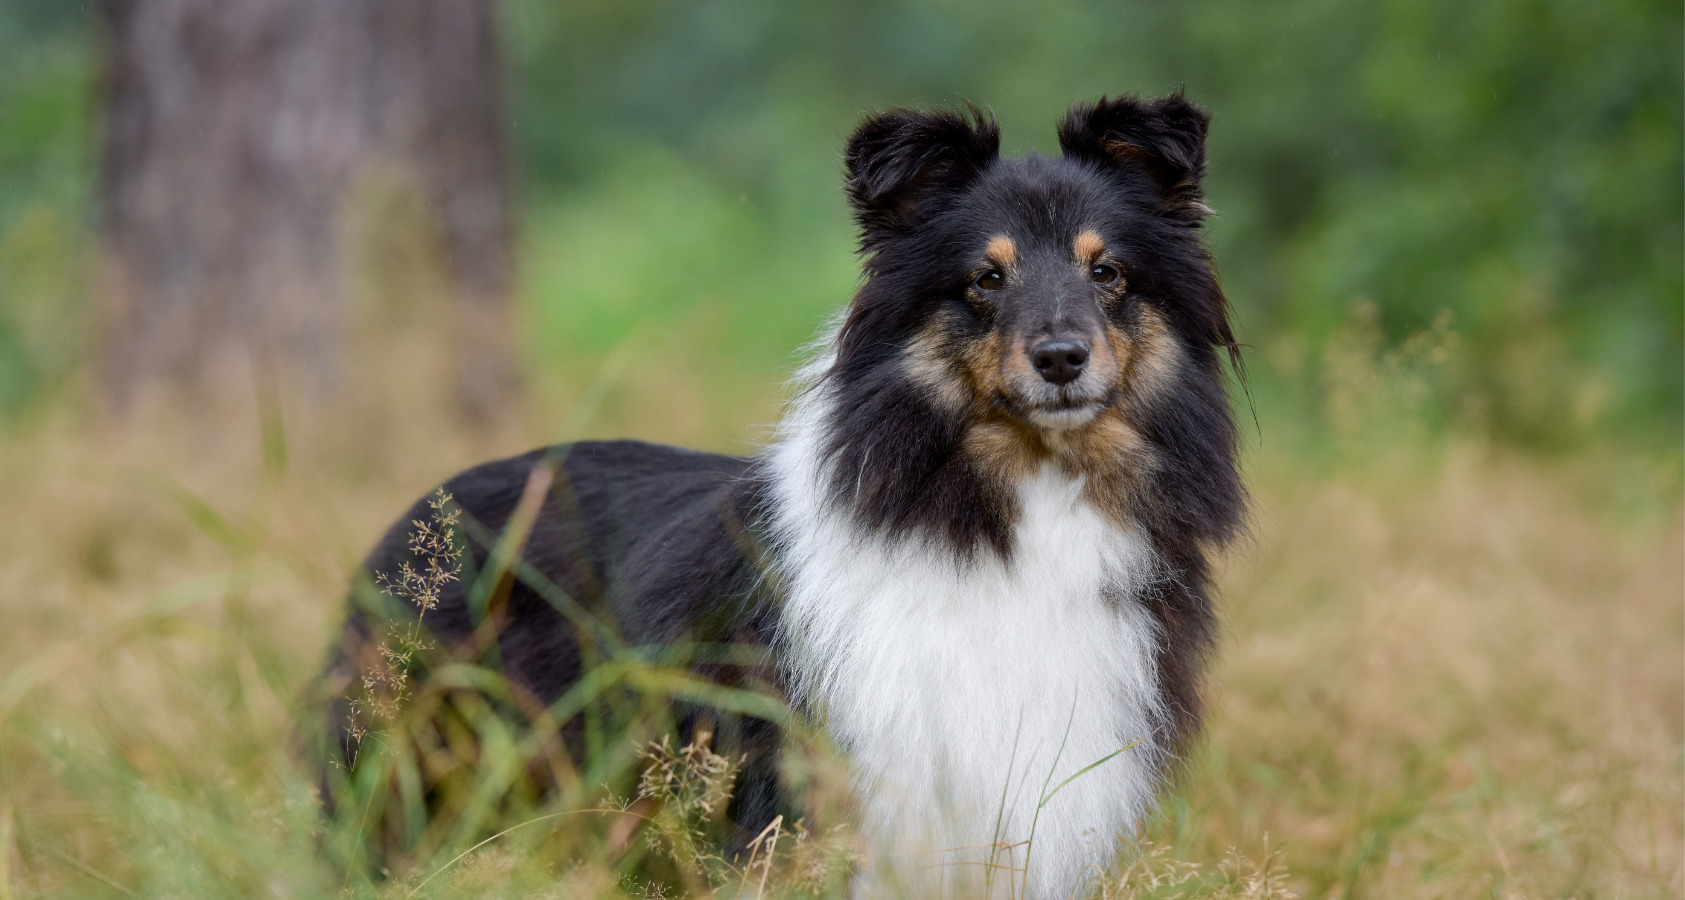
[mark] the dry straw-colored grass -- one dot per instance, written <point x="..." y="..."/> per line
<point x="1450" y="671"/>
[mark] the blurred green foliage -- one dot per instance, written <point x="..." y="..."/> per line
<point x="46" y="119"/>
<point x="1515" y="165"/>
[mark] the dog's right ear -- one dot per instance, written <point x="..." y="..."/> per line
<point x="1165" y="138"/>
<point x="902" y="160"/>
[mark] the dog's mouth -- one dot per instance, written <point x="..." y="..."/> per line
<point x="1063" y="418"/>
<point x="1064" y="411"/>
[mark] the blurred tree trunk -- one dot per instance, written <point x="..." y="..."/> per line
<point x="235" y="132"/>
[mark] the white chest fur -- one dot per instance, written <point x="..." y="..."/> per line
<point x="965" y="692"/>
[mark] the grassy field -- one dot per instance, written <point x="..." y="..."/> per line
<point x="1454" y="659"/>
<point x="1450" y="670"/>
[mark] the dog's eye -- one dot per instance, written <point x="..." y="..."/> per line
<point x="1104" y="274"/>
<point x="991" y="280"/>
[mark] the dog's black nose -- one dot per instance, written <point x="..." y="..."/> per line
<point x="1059" y="361"/>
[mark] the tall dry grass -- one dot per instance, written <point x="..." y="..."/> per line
<point x="1451" y="670"/>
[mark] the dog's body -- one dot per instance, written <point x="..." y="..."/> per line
<point x="978" y="546"/>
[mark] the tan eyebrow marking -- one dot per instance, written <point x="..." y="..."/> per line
<point x="1088" y="246"/>
<point x="1002" y="250"/>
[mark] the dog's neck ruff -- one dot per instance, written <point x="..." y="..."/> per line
<point x="966" y="691"/>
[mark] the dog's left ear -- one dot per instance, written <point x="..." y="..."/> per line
<point x="1165" y="138"/>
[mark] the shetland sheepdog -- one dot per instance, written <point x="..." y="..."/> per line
<point x="977" y="551"/>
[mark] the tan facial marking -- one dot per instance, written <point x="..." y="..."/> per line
<point x="1116" y="461"/>
<point x="1001" y="251"/>
<point x="1106" y="357"/>
<point x="1088" y="247"/>
<point x="982" y="361"/>
<point x="1153" y="356"/>
<point x="1000" y="451"/>
<point x="927" y="366"/>
<point x="1105" y="444"/>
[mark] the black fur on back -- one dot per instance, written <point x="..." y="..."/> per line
<point x="634" y="542"/>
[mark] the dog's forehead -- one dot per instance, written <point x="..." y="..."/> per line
<point x="1040" y="204"/>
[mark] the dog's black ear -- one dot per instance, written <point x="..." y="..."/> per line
<point x="900" y="162"/>
<point x="1165" y="138"/>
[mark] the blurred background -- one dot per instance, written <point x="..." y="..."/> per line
<point x="270" y="270"/>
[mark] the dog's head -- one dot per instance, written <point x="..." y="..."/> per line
<point x="1022" y="311"/>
